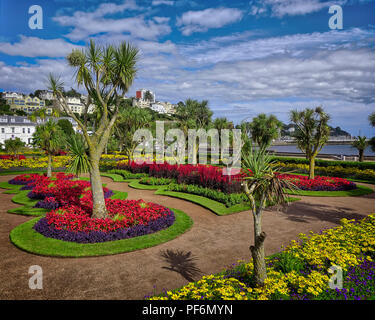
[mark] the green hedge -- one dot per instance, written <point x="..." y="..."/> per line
<point x="328" y="163"/>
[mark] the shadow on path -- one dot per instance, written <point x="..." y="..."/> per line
<point x="182" y="263"/>
<point x="305" y="212"/>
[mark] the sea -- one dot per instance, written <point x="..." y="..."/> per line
<point x="337" y="149"/>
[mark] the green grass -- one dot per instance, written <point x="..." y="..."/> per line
<point x="115" y="177"/>
<point x="212" y="205"/>
<point x="28" y="204"/>
<point x="136" y="185"/>
<point x="359" y="191"/>
<point x="27" y="239"/>
<point x="11" y="188"/>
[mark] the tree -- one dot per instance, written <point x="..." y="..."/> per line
<point x="222" y="123"/>
<point x="106" y="73"/>
<point x="128" y="122"/>
<point x="148" y="96"/>
<point x="311" y="134"/>
<point x="14" y="145"/>
<point x="360" y="144"/>
<point x="264" y="129"/>
<point x="48" y="137"/>
<point x="79" y="154"/>
<point x="261" y="186"/>
<point x="371" y="118"/>
<point x="66" y="126"/>
<point x="42" y="114"/>
<point x="72" y="93"/>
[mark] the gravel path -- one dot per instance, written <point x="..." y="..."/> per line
<point x="213" y="243"/>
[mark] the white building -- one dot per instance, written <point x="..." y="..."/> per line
<point x="163" y="107"/>
<point x="12" y="95"/>
<point x="12" y="127"/>
<point x="141" y="103"/>
<point x="46" y="95"/>
<point x="75" y="105"/>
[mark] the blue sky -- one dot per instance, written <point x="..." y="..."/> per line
<point x="245" y="57"/>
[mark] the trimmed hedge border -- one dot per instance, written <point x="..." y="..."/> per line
<point x="359" y="191"/>
<point x="216" y="207"/>
<point x="27" y="204"/>
<point x="327" y="163"/>
<point x="26" y="238"/>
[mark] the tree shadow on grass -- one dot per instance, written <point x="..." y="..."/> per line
<point x="182" y="263"/>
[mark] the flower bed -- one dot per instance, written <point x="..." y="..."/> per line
<point x="71" y="205"/>
<point x="319" y="183"/>
<point x="203" y="175"/>
<point x="212" y="177"/>
<point x="75" y="225"/>
<point x="335" y="171"/>
<point x="300" y="271"/>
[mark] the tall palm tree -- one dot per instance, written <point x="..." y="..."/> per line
<point x="312" y="133"/>
<point x="107" y="74"/>
<point x="360" y="144"/>
<point x="264" y="129"/>
<point x="261" y="185"/>
<point x="48" y="137"/>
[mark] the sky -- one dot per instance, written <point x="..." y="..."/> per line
<point x="244" y="57"/>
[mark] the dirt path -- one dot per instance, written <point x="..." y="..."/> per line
<point x="214" y="242"/>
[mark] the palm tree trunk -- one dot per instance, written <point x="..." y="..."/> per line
<point x="361" y="155"/>
<point x="99" y="209"/>
<point x="49" y="166"/>
<point x="257" y="251"/>
<point x="312" y="167"/>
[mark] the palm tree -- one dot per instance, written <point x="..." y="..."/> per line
<point x="48" y="137"/>
<point x="361" y="145"/>
<point x="261" y="186"/>
<point x="371" y="118"/>
<point x="128" y="122"/>
<point x="311" y="134"/>
<point x="107" y="74"/>
<point x="78" y="151"/>
<point x="264" y="129"/>
<point x="14" y="146"/>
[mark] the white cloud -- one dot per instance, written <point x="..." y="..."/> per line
<point x="161" y="2"/>
<point x="88" y="24"/>
<point x="28" y="78"/>
<point x="37" y="47"/>
<point x="201" y="21"/>
<point x="281" y="8"/>
<point x="244" y="46"/>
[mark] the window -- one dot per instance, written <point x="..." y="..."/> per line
<point x="23" y="130"/>
<point x="28" y="130"/>
<point x="2" y="130"/>
<point x="13" y="129"/>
